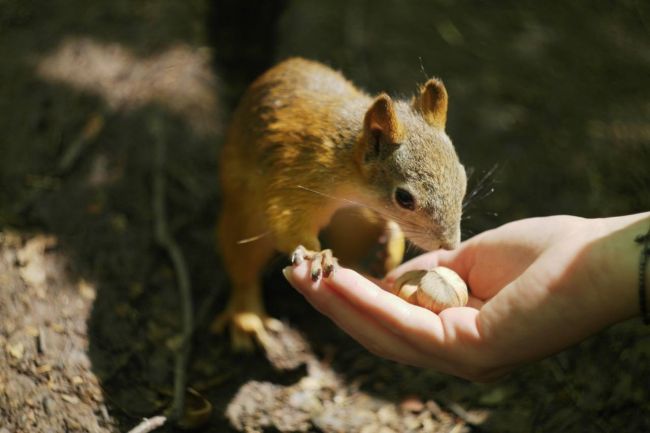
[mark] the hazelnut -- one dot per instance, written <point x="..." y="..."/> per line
<point x="435" y="290"/>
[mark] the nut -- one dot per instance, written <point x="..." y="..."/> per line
<point x="435" y="290"/>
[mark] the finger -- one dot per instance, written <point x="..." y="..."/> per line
<point x="457" y="260"/>
<point x="454" y="349"/>
<point x="475" y="302"/>
<point x="424" y="261"/>
<point x="440" y="336"/>
<point x="357" y="323"/>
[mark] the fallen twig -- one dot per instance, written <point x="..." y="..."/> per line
<point x="164" y="238"/>
<point x="206" y="303"/>
<point x="149" y="424"/>
<point x="90" y="131"/>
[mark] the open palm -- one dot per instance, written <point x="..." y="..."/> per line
<point x="536" y="286"/>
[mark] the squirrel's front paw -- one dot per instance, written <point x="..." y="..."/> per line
<point x="322" y="262"/>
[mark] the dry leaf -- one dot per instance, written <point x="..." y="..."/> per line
<point x="86" y="290"/>
<point x="16" y="350"/>
<point x="70" y="398"/>
<point x="32" y="331"/>
<point x="412" y="404"/>
<point x="42" y="369"/>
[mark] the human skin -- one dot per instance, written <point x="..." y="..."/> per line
<point x="537" y="286"/>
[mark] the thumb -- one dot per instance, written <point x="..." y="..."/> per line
<point x="455" y="260"/>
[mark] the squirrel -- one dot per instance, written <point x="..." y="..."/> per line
<point x="303" y="143"/>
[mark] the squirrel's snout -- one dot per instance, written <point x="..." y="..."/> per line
<point x="451" y="239"/>
<point x="446" y="240"/>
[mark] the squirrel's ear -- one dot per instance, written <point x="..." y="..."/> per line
<point x="432" y="103"/>
<point x="381" y="120"/>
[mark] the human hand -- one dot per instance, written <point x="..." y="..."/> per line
<point x="537" y="286"/>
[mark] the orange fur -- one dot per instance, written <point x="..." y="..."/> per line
<point x="302" y="127"/>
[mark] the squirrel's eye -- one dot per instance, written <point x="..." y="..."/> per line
<point x="404" y="199"/>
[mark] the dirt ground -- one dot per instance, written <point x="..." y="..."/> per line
<point x="89" y="310"/>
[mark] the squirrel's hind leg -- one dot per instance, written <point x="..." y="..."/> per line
<point x="245" y="314"/>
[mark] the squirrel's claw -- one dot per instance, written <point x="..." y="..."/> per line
<point x="322" y="262"/>
<point x="298" y="256"/>
<point x="246" y="328"/>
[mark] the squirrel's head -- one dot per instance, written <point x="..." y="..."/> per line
<point x="411" y="166"/>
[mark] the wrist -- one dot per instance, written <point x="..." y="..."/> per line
<point x="616" y="264"/>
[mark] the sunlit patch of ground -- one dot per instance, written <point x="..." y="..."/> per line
<point x="45" y="372"/>
<point x="178" y="79"/>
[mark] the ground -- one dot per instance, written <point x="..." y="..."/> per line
<point x="89" y="320"/>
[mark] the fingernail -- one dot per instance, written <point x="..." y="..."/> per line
<point x="287" y="274"/>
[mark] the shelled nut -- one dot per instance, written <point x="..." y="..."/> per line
<point x="435" y="290"/>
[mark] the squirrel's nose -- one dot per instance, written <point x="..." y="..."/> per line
<point x="451" y="239"/>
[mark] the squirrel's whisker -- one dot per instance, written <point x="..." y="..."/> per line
<point x="253" y="238"/>
<point x="353" y="202"/>
<point x="482" y="189"/>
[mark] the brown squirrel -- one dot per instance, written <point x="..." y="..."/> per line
<point x="305" y="142"/>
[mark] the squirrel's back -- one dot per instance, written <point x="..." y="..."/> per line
<point x="297" y="102"/>
<point x="299" y="81"/>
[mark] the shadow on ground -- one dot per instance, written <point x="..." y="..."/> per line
<point x="555" y="96"/>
